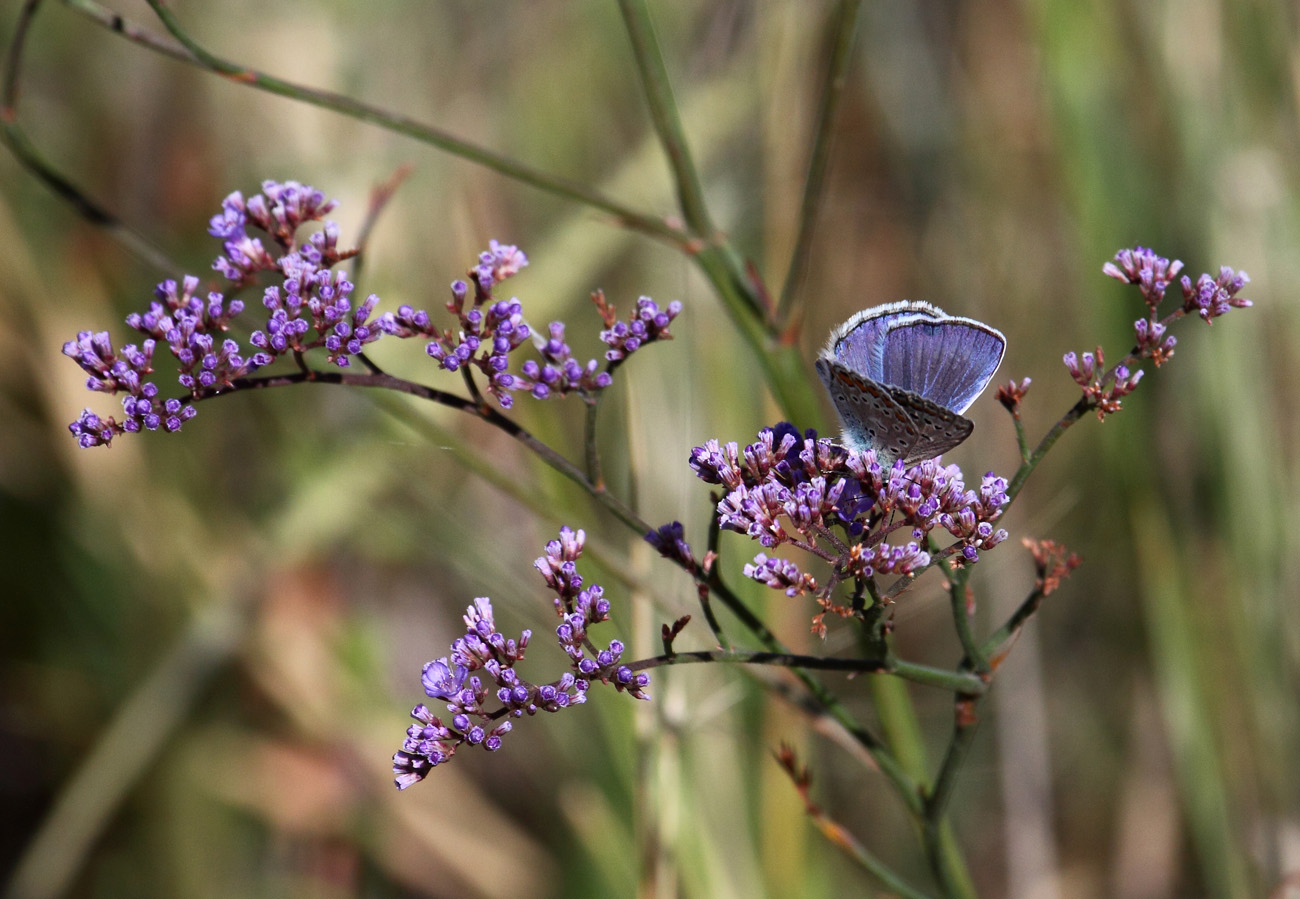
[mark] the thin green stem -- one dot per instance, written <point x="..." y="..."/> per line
<point x="855" y="850"/>
<point x="963" y="736"/>
<point x="904" y="783"/>
<point x="703" y="578"/>
<point x="997" y="642"/>
<point x="34" y="162"/>
<point x="713" y="253"/>
<point x="958" y="682"/>
<point x="14" y="58"/>
<point x="941" y="849"/>
<point x="663" y="113"/>
<point x="594" y="473"/>
<point x="842" y="29"/>
<point x="1084" y="404"/>
<point x="197" y="55"/>
<point x="839" y="835"/>
<point x="1021" y="444"/>
<point x="553" y="459"/>
<point x="958" y="585"/>
<point x="1049" y="440"/>
<point x="30" y="158"/>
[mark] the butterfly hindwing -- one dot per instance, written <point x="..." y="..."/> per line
<point x="872" y="418"/>
<point x="938" y="429"/>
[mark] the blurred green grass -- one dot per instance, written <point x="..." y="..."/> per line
<point x="299" y="555"/>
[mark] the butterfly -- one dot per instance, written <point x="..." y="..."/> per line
<point x="902" y="374"/>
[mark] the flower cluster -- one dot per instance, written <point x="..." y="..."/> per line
<point x="1104" y="389"/>
<point x="1141" y="266"/>
<point x="279" y="211"/>
<point x="455" y="679"/>
<point x="496" y="263"/>
<point x="1052" y="562"/>
<point x="1012" y="393"/>
<point x="491" y="329"/>
<point x="1209" y="297"/>
<point x="670" y="540"/>
<point x="312" y="308"/>
<point x="647" y="324"/>
<point x="840" y="505"/>
<point x="560" y="373"/>
<point x="579" y="608"/>
<point x="111" y="371"/>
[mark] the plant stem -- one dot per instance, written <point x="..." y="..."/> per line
<point x="958" y="682"/>
<point x="841" y="29"/>
<point x="941" y="849"/>
<point x="1049" y="439"/>
<point x="663" y="113"/>
<point x="30" y="158"/>
<point x="958" y="584"/>
<point x="997" y="642"/>
<point x="340" y="103"/>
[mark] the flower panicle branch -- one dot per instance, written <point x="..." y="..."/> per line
<point x="1209" y="297"/>
<point x="484" y="659"/>
<point x="311" y="308"/>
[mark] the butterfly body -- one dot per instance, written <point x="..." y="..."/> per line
<point x="902" y="374"/>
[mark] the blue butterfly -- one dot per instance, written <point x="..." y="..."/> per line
<point x="902" y="374"/>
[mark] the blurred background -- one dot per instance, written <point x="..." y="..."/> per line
<point x="209" y="642"/>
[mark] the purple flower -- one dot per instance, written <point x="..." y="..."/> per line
<point x="670" y="540"/>
<point x="278" y="211"/>
<point x="1141" y="266"/>
<point x="1211" y="297"/>
<point x="1102" y="388"/>
<point x="498" y="262"/>
<point x="491" y="330"/>
<point x="560" y="373"/>
<point x="441" y="681"/>
<point x="312" y="309"/>
<point x="1152" y="340"/>
<point x="779" y="574"/>
<point x="121" y="371"/>
<point x="647" y="324"/>
<point x="479" y="683"/>
<point x="794" y="489"/>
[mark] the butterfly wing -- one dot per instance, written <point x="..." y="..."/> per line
<point x="937" y="429"/>
<point x="872" y="418"/>
<point x="858" y="343"/>
<point x="948" y="361"/>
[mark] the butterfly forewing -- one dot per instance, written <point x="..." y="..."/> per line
<point x="857" y="344"/>
<point x="948" y="361"/>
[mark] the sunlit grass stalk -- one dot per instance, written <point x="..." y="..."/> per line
<point x="841" y="30"/>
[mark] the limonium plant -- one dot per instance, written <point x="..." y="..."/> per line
<point x="844" y="531"/>
<point x="833" y="525"/>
